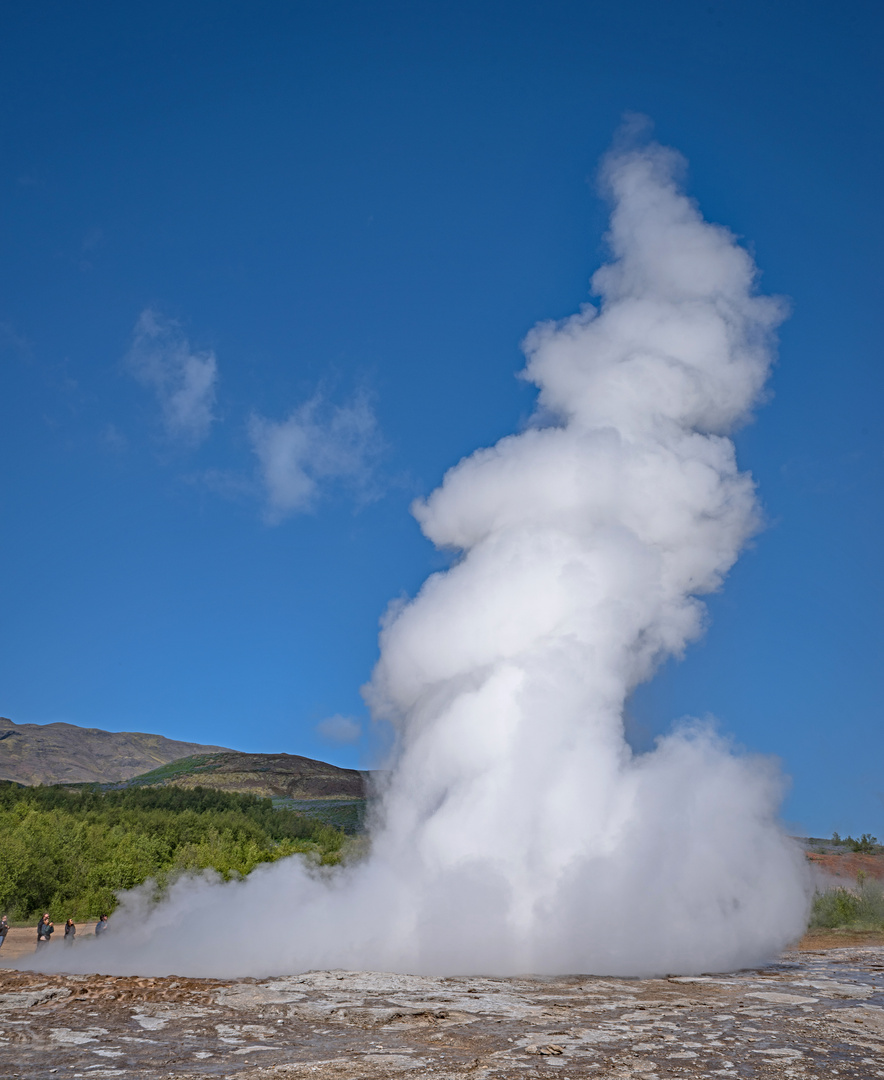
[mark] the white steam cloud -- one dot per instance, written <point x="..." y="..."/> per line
<point x="314" y="445"/>
<point x="182" y="380"/>
<point x="518" y="832"/>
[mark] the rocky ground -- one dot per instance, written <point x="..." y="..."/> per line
<point x="814" y="1014"/>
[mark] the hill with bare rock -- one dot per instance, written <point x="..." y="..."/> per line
<point x="67" y="754"/>
<point x="277" y="776"/>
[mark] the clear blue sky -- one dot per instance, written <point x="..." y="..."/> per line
<point x="366" y="206"/>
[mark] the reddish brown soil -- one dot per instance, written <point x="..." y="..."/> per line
<point x="848" y="864"/>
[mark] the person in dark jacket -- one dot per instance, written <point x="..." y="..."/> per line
<point x="4" y="929"/>
<point x="45" y="929"/>
<point x="101" y="925"/>
<point x="70" y="932"/>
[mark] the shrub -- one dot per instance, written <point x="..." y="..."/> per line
<point x="861" y="908"/>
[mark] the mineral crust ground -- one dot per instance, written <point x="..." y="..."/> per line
<point x="814" y="1014"/>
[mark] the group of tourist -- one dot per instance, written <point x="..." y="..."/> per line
<point x="46" y="928"/>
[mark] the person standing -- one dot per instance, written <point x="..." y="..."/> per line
<point x="101" y="925"/>
<point x="45" y="929"/>
<point x="70" y="932"/>
<point x="4" y="929"/>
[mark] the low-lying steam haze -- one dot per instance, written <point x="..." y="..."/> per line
<point x="519" y="833"/>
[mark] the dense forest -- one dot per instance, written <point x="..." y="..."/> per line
<point x="69" y="852"/>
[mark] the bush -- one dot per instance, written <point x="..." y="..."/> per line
<point x="861" y="908"/>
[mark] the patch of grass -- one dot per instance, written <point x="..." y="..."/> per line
<point x="182" y="767"/>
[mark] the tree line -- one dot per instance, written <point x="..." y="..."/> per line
<point x="70" y="852"/>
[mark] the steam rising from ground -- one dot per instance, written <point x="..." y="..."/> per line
<point x="519" y="833"/>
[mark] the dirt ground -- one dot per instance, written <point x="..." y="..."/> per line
<point x="23" y="941"/>
<point x="818" y="1013"/>
<point x="847" y="865"/>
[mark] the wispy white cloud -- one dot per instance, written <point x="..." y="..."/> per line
<point x="317" y="444"/>
<point x="183" y="380"/>
<point x="228" y="483"/>
<point x="339" y="729"/>
<point x="113" y="439"/>
<point x="15" y="345"/>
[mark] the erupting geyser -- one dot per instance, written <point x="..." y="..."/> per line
<point x="519" y="833"/>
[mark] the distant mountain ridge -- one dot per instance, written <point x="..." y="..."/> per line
<point x="67" y="754"/>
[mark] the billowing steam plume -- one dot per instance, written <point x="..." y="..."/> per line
<point x="519" y="833"/>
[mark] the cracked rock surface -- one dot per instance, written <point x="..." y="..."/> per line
<point x="812" y="1015"/>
